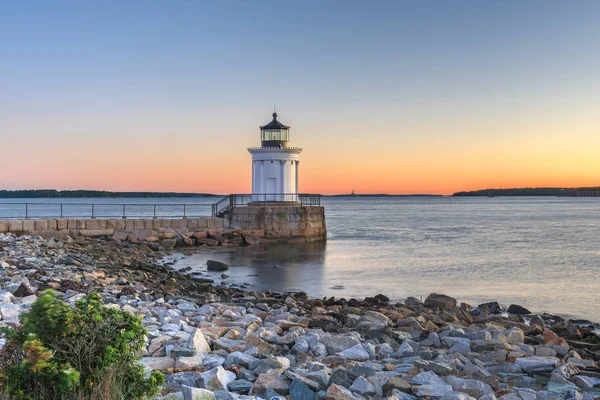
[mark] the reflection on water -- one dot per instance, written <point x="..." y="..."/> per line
<point x="280" y="267"/>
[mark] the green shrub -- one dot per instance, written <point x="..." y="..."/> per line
<point x="85" y="352"/>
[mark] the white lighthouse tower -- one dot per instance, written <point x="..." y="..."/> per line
<point x="275" y="165"/>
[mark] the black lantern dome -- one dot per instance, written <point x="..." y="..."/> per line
<point x="275" y="134"/>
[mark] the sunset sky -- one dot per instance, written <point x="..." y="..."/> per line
<point x="384" y="96"/>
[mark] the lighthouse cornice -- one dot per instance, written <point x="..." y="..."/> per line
<point x="280" y="150"/>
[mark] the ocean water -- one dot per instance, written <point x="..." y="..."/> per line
<point x="539" y="252"/>
<point x="542" y="253"/>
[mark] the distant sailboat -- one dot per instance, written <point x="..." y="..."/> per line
<point x="353" y="193"/>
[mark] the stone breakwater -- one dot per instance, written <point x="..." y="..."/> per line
<point x="227" y="343"/>
<point x="245" y="225"/>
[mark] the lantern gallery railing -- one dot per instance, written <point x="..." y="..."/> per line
<point x="241" y="200"/>
<point x="100" y="210"/>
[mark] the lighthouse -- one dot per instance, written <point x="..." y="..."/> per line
<point x="275" y="165"/>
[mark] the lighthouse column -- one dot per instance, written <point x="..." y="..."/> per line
<point x="297" y="162"/>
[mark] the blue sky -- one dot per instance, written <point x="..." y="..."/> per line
<point x="422" y="75"/>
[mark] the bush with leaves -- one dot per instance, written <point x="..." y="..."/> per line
<point x="82" y="352"/>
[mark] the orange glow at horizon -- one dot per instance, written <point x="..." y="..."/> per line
<point x="174" y="155"/>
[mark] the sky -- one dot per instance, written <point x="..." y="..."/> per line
<point x="384" y="97"/>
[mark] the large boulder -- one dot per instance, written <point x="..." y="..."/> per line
<point x="192" y="393"/>
<point x="441" y="301"/>
<point x="216" y="266"/>
<point x="217" y="379"/>
<point x="517" y="309"/>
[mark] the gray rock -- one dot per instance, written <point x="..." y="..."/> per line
<point x="586" y="382"/>
<point x="435" y="367"/>
<point x="272" y="363"/>
<point x="192" y="393"/>
<point x="427" y="378"/>
<point x="396" y="383"/>
<point x="362" y="386"/>
<point x="456" y="396"/>
<point x="461" y="348"/>
<point x="300" y="391"/>
<point x="517" y="309"/>
<point x="198" y="342"/>
<point x="216" y="266"/>
<point x="338" y="343"/>
<point x="178" y="379"/>
<point x="243" y="359"/>
<point x="240" y="385"/>
<point x="436" y="390"/>
<point x="217" y="379"/>
<point x="335" y="392"/>
<point x="440" y="301"/>
<point x="178" y="351"/>
<point x="398" y="395"/>
<point x="533" y="365"/>
<point x="357" y="353"/>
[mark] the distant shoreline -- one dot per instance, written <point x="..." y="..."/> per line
<point x="56" y="194"/>
<point x="80" y="193"/>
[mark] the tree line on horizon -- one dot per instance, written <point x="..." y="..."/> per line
<point x="52" y="193"/>
<point x="525" y="192"/>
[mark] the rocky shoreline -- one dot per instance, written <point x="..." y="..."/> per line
<point x="227" y="343"/>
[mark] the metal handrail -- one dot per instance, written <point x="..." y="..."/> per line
<point x="264" y="199"/>
<point x="99" y="210"/>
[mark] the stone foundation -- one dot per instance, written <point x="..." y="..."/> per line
<point x="281" y="223"/>
<point x="107" y="227"/>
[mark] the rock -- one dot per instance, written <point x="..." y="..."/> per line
<point x="9" y="312"/>
<point x="362" y="386"/>
<point x="436" y="390"/>
<point x="516" y="309"/>
<point x="23" y="290"/>
<point x="586" y="382"/>
<point x="273" y="380"/>
<point x="158" y="363"/>
<point x="300" y="391"/>
<point x="490" y="308"/>
<point x="396" y="383"/>
<point x="178" y="379"/>
<point x="189" y="362"/>
<point x="457" y="396"/>
<point x="427" y="378"/>
<point x="533" y="365"/>
<point x="437" y="368"/>
<point x="440" y="301"/>
<point x="515" y="336"/>
<point x="335" y="392"/>
<point x="342" y="377"/>
<point x="461" y="348"/>
<point x="217" y="379"/>
<point x="272" y="363"/>
<point x="251" y="240"/>
<point x="338" y="343"/>
<point x="243" y="359"/>
<point x="192" y="393"/>
<point x="398" y="395"/>
<point x="178" y="351"/>
<point x="216" y="266"/>
<point x="472" y="387"/>
<point x="357" y="353"/>
<point x="240" y="385"/>
<point x="198" y="342"/>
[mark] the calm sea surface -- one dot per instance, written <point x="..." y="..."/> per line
<point x="542" y="253"/>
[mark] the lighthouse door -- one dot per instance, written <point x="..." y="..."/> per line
<point x="271" y="188"/>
